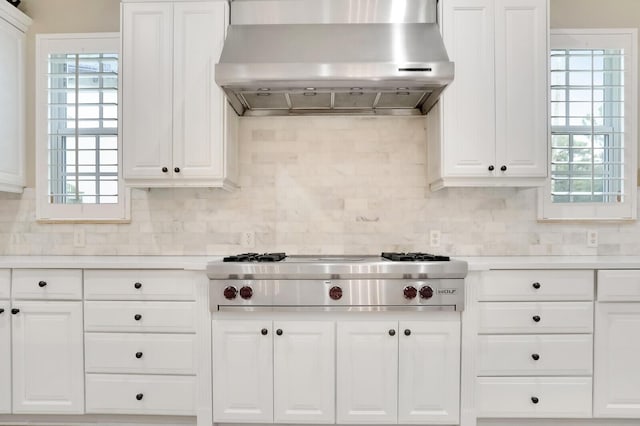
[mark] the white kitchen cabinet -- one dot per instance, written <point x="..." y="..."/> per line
<point x="490" y="125"/>
<point x="304" y="372"/>
<point x="13" y="25"/>
<point x="282" y="372"/>
<point x="429" y="369"/>
<point x="176" y="129"/>
<point x="5" y="357"/>
<point x="48" y="365"/>
<point x="616" y="374"/>
<point x="367" y="372"/>
<point x="242" y="371"/>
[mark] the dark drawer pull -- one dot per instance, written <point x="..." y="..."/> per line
<point x="536" y="285"/>
<point x="264" y="331"/>
<point x="15" y="311"/>
<point x="139" y="396"/>
<point x="534" y="399"/>
<point x="1" y="310"/>
<point x="392" y="332"/>
<point x="279" y="332"/>
<point x="138" y="355"/>
<point x="138" y="285"/>
<point x="535" y="357"/>
<point x="42" y="284"/>
<point x="407" y="332"/>
<point x="536" y="318"/>
<point x="137" y="317"/>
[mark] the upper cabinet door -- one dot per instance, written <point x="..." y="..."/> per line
<point x="469" y="102"/>
<point x="429" y="372"/>
<point x="304" y="372"/>
<point x="147" y="82"/>
<point x="5" y="357"/>
<point x="521" y="87"/>
<point x="12" y="109"/>
<point x="242" y="371"/>
<point x="367" y="372"/>
<point x="616" y="386"/>
<point x="48" y="361"/>
<point x="198" y="103"/>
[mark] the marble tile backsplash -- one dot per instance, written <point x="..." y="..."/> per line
<point x="320" y="185"/>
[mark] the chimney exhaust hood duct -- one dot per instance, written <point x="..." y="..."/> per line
<point x="303" y="57"/>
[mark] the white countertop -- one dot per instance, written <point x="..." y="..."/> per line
<point x="199" y="263"/>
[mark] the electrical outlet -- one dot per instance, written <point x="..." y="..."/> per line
<point x="434" y="238"/>
<point x="248" y="239"/>
<point x="592" y="238"/>
<point x="78" y="237"/>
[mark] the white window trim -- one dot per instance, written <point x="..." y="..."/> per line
<point x="45" y="211"/>
<point x="613" y="38"/>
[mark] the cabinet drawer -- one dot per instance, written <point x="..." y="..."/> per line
<point x="60" y="284"/>
<point x="557" y="397"/>
<point x="535" y="355"/>
<point x="5" y="283"/>
<point x="133" y="394"/>
<point x="140" y="353"/>
<point x="535" y="317"/>
<point x="138" y="285"/>
<point x="162" y="317"/>
<point x="619" y="286"/>
<point x="536" y="285"/>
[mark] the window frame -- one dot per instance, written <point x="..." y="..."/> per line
<point x="600" y="38"/>
<point x="94" y="213"/>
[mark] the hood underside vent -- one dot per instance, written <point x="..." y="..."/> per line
<point x="381" y="67"/>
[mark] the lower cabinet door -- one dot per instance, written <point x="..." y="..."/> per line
<point x="616" y="374"/>
<point x="48" y="366"/>
<point x="304" y="372"/>
<point x="5" y="356"/>
<point x="429" y="372"/>
<point x="141" y="394"/>
<point x="367" y="372"/>
<point x="242" y="371"/>
<point x="534" y="397"/>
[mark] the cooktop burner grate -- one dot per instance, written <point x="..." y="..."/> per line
<point x="414" y="257"/>
<point x="255" y="257"/>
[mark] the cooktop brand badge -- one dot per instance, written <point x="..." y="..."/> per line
<point x="446" y="291"/>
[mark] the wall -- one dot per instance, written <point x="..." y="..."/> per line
<point x="309" y="185"/>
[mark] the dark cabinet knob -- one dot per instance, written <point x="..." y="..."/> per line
<point x="15" y="311"/>
<point x="246" y="292"/>
<point x="536" y="285"/>
<point x="536" y="318"/>
<point x="491" y="168"/>
<point x="139" y="397"/>
<point x="1" y="310"/>
<point x="392" y="332"/>
<point x="535" y="357"/>
<point x="138" y="355"/>
<point x="138" y="285"/>
<point x="407" y="332"/>
<point x="264" y="331"/>
<point x="410" y="292"/>
<point x="176" y="169"/>
<point x="534" y="399"/>
<point x="279" y="332"/>
<point x="165" y="170"/>
<point x="42" y="284"/>
<point x="503" y="168"/>
<point x="137" y="317"/>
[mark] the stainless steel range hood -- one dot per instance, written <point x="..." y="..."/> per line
<point x="296" y="57"/>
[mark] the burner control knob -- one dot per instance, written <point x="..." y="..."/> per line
<point x="410" y="292"/>
<point x="230" y="292"/>
<point x="335" y="293"/>
<point x="426" y="292"/>
<point x="246" y="292"/>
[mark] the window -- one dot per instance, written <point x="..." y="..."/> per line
<point x="593" y="142"/>
<point x="77" y="148"/>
